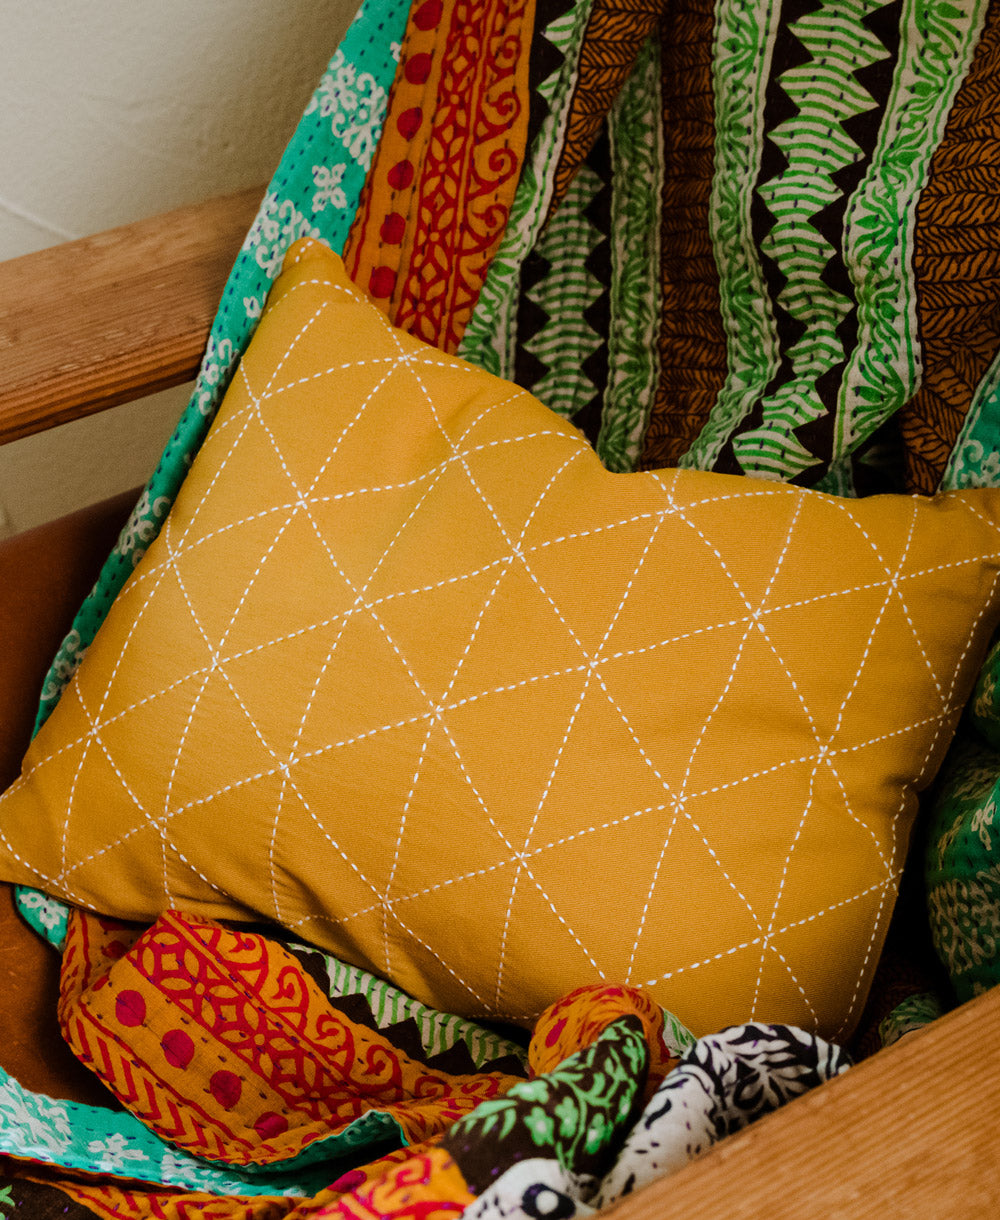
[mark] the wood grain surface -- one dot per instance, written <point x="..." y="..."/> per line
<point x="912" y="1132"/>
<point x="109" y="318"/>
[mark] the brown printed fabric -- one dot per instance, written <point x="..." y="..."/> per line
<point x="692" y="345"/>
<point x="956" y="265"/>
<point x="615" y="32"/>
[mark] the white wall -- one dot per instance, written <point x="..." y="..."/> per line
<point x="114" y="110"/>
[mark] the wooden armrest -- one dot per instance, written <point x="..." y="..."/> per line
<point x="911" y="1134"/>
<point x="109" y="318"/>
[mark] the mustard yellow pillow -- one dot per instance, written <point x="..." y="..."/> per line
<point x="409" y="673"/>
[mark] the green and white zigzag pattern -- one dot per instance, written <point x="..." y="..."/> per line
<point x="565" y="294"/>
<point x="636" y="136"/>
<point x="938" y="41"/>
<point x="490" y="338"/>
<point x="937" y="38"/>
<point x="741" y="65"/>
<point x="439" y="1031"/>
<point x="817" y="146"/>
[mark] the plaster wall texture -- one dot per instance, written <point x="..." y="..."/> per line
<point x="117" y="110"/>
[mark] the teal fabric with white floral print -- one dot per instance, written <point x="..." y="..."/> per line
<point x="95" y="1140"/>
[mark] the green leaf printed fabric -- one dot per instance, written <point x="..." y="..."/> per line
<point x="962" y="869"/>
<point x="576" y="1115"/>
<point x="723" y="1083"/>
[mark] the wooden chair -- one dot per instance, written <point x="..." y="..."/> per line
<point x="911" y="1132"/>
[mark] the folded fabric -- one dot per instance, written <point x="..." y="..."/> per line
<point x="961" y="866"/>
<point x="245" y="1085"/>
<point x="724" y="1083"/>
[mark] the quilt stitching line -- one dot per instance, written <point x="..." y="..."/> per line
<point x="755" y="616"/>
<point x="515" y="552"/>
<point x="487" y="601"/>
<point x="754" y="621"/>
<point x="385" y="632"/>
<point x="638" y="651"/>
<point x="824" y="755"/>
<point x="749" y="944"/>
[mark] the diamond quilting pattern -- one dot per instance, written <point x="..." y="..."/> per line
<point x="409" y="673"/>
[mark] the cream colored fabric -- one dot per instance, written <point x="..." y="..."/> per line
<point x="410" y="673"/>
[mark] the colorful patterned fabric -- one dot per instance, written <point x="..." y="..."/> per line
<point x="789" y="334"/>
<point x="568" y="1115"/>
<point x="822" y="342"/>
<point x="724" y="1083"/>
<point x="76" y="1137"/>
<point x="437" y="200"/>
<point x="962" y="864"/>
<point x="617" y="1103"/>
<point x="491" y="336"/>
<point x="241" y="1066"/>
<point x="33" y="1196"/>
<point x="614" y="36"/>
<point x="956" y="258"/>
<point x="312" y="1074"/>
<point x="691" y="341"/>
<point x="732" y="293"/>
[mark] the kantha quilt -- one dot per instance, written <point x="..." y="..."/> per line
<point x="760" y="239"/>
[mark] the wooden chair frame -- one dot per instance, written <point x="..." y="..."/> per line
<point x="912" y="1132"/>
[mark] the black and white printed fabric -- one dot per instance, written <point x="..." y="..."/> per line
<point x="723" y="1083"/>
